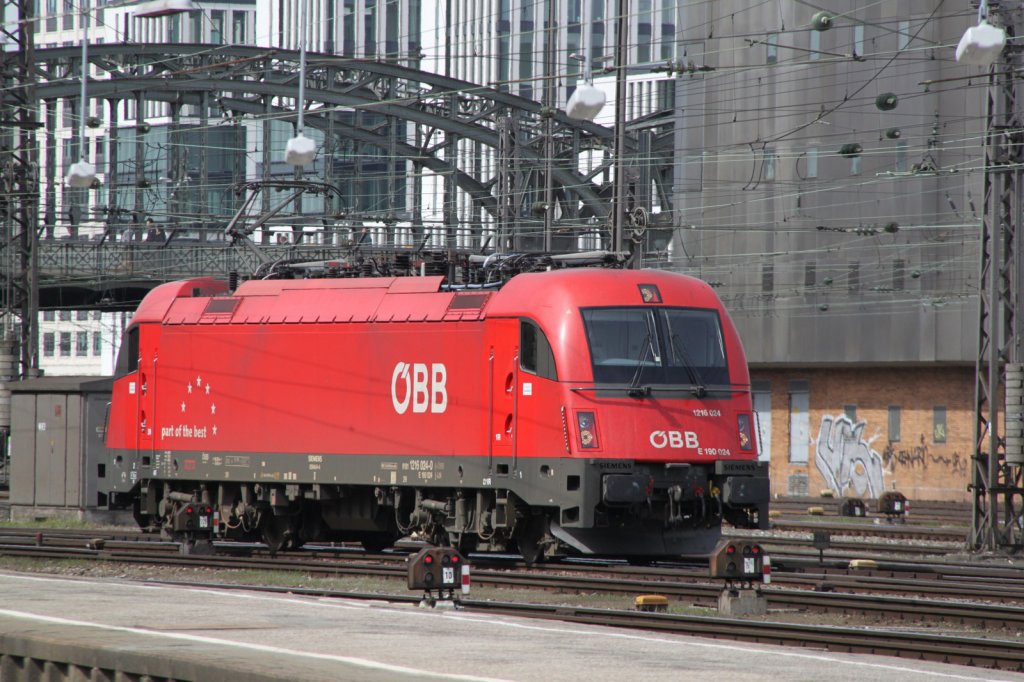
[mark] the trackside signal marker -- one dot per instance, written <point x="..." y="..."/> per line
<point x="465" y="578"/>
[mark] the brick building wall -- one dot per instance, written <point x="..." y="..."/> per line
<point x="863" y="431"/>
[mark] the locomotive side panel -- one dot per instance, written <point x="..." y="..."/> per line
<point x="329" y="390"/>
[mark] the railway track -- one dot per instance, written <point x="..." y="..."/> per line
<point x="885" y="530"/>
<point x="921" y="512"/>
<point x="861" y="594"/>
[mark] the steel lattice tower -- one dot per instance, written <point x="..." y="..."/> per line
<point x="998" y="493"/>
<point x="19" y="198"/>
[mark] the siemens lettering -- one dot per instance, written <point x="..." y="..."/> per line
<point x="674" y="439"/>
<point x="424" y="388"/>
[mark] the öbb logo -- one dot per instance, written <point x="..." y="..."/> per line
<point x="425" y="388"/>
<point x="674" y="439"/>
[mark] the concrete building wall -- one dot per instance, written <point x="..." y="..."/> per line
<point x="823" y="256"/>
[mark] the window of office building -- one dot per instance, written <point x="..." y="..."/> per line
<point x="65" y="316"/>
<point x="644" y="31"/>
<point x="65" y="344"/>
<point x="899" y="267"/>
<point x="195" y="26"/>
<point x="81" y="344"/>
<point x="769" y="164"/>
<point x="767" y="278"/>
<point x="812" y="162"/>
<point x="238" y="20"/>
<point x="97" y="343"/>
<point x="217" y="26"/>
<point x="904" y="34"/>
<point x="370" y="28"/>
<point x="901" y="156"/>
<point x="668" y="30"/>
<point x="772" y="48"/>
<point x="49" y="340"/>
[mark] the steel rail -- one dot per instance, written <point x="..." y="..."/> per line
<point x="947" y="611"/>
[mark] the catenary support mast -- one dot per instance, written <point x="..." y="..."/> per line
<point x="998" y="494"/>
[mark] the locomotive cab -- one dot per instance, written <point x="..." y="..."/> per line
<point x="657" y="417"/>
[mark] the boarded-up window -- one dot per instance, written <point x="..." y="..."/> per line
<point x="939" y="424"/>
<point x="894" y="423"/>
<point x="799" y="421"/>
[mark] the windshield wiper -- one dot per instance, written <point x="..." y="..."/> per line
<point x="679" y="353"/>
<point x="635" y="390"/>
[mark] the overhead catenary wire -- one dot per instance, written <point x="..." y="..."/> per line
<point x="726" y="156"/>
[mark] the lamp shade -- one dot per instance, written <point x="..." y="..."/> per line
<point x="162" y="8"/>
<point x="981" y="44"/>
<point x="585" y="102"/>
<point x="81" y="175"/>
<point x="300" y="150"/>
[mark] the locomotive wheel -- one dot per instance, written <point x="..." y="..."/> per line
<point x="280" y="533"/>
<point x="528" y="535"/>
<point x="464" y="542"/>
<point x="375" y="543"/>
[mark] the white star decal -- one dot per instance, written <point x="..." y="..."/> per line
<point x="207" y="389"/>
<point x="213" y="409"/>
<point x="215" y="429"/>
<point x="182" y="406"/>
<point x="190" y="389"/>
<point x="199" y="381"/>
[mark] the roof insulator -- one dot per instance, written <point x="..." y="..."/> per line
<point x="822" y="21"/>
<point x="851" y="149"/>
<point x="887" y="101"/>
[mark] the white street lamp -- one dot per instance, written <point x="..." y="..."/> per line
<point x="586" y="101"/>
<point x="300" y="150"/>
<point x="981" y="44"/>
<point x="82" y="174"/>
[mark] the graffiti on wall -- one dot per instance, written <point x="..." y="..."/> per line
<point x="846" y="460"/>
<point x="850" y="466"/>
<point x="920" y="456"/>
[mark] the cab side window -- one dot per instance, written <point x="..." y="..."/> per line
<point x="128" y="356"/>
<point x="535" y="355"/>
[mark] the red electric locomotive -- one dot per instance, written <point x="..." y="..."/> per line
<point x="579" y="410"/>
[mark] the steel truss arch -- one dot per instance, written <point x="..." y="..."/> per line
<point x="242" y="79"/>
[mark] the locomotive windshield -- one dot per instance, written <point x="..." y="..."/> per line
<point x="673" y="346"/>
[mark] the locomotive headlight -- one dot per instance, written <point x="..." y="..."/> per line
<point x="743" y="426"/>
<point x="586" y="424"/>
